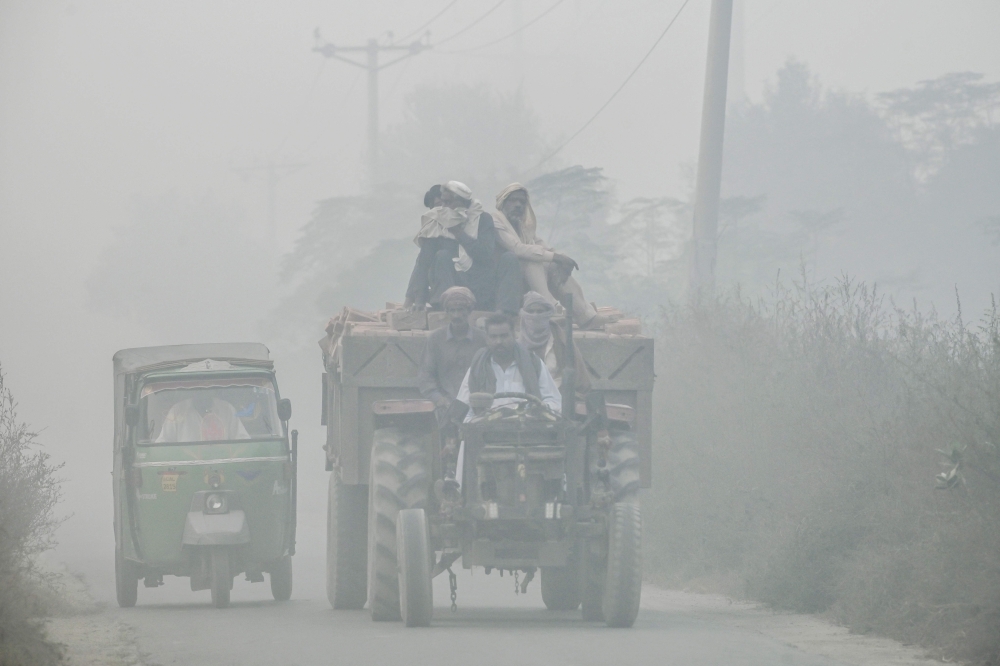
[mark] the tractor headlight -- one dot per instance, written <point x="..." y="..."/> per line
<point x="216" y="503"/>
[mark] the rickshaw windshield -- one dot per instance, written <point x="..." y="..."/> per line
<point x="205" y="410"/>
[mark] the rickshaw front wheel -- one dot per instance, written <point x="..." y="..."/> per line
<point x="222" y="581"/>
<point x="281" y="579"/>
<point x="126" y="581"/>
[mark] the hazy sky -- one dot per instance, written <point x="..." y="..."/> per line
<point x="107" y="102"/>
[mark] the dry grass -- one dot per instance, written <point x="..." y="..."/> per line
<point x="797" y="453"/>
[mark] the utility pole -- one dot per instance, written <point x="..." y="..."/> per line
<point x="372" y="49"/>
<point x="713" y="126"/>
<point x="273" y="173"/>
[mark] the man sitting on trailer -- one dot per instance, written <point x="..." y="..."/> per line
<point x="506" y="366"/>
<point x="458" y="241"/>
<point x="546" y="272"/>
<point x="449" y="350"/>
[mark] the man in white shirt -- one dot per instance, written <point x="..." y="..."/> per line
<point x="505" y="366"/>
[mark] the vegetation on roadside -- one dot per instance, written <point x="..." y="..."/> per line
<point x="822" y="450"/>
<point x="29" y="491"/>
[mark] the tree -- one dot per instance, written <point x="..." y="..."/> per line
<point x="186" y="269"/>
<point x="804" y="152"/>
<point x="460" y="132"/>
<point x="359" y="250"/>
<point x="938" y="115"/>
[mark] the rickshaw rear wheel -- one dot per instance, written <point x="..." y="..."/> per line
<point x="126" y="581"/>
<point x="222" y="581"/>
<point x="281" y="579"/>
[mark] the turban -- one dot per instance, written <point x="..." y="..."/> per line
<point x="460" y="190"/>
<point x="528" y="226"/>
<point x="458" y="297"/>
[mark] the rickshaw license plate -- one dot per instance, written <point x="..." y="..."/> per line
<point x="168" y="482"/>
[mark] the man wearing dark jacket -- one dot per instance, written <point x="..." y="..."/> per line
<point x="477" y="263"/>
<point x="505" y="366"/>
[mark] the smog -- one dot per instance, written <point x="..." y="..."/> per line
<point x="575" y="331"/>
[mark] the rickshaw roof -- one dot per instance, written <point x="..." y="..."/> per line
<point x="139" y="358"/>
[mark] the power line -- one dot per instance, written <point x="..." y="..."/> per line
<point x="511" y="34"/>
<point x="471" y="25"/>
<point x="429" y="21"/>
<point x="615" y="93"/>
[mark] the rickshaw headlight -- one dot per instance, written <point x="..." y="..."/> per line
<point x="216" y="503"/>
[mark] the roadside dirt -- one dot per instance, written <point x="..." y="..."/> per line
<point x="811" y="634"/>
<point x="89" y="635"/>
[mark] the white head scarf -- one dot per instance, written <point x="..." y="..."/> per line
<point x="528" y="226"/>
<point x="536" y="330"/>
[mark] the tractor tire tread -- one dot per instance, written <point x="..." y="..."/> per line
<point x="399" y="480"/>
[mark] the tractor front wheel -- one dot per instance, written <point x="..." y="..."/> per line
<point x="415" y="601"/>
<point x="623" y="584"/>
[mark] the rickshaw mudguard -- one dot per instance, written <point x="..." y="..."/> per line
<point x="223" y="529"/>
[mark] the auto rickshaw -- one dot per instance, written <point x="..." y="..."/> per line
<point x="204" y="471"/>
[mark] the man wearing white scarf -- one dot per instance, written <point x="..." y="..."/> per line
<point x="458" y="247"/>
<point x="547" y="339"/>
<point x="546" y="272"/>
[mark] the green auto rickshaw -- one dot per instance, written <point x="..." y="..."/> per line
<point x="204" y="472"/>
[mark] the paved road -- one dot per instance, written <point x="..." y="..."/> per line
<point x="491" y="626"/>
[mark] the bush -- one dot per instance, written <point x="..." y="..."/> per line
<point x="801" y="442"/>
<point x="29" y="492"/>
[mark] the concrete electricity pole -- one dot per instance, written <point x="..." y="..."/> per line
<point x="272" y="173"/>
<point x="372" y="49"/>
<point x="713" y="126"/>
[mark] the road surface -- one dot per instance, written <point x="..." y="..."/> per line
<point x="172" y="625"/>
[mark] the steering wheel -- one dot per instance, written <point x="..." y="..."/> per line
<point x="527" y="397"/>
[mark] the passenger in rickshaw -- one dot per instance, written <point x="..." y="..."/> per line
<point x="202" y="418"/>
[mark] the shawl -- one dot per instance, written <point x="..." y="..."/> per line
<point x="527" y="229"/>
<point x="536" y="329"/>
<point x="438" y="223"/>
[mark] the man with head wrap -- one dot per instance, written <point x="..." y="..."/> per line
<point x="450" y="349"/>
<point x="546" y="272"/>
<point x="547" y="339"/>
<point x="458" y="245"/>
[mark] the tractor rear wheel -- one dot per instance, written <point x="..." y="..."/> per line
<point x="222" y="581"/>
<point x="281" y="579"/>
<point x="623" y="466"/>
<point x="126" y="581"/>
<point x="400" y="479"/>
<point x="346" y="545"/>
<point x="623" y="585"/>
<point x="415" y="601"/>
